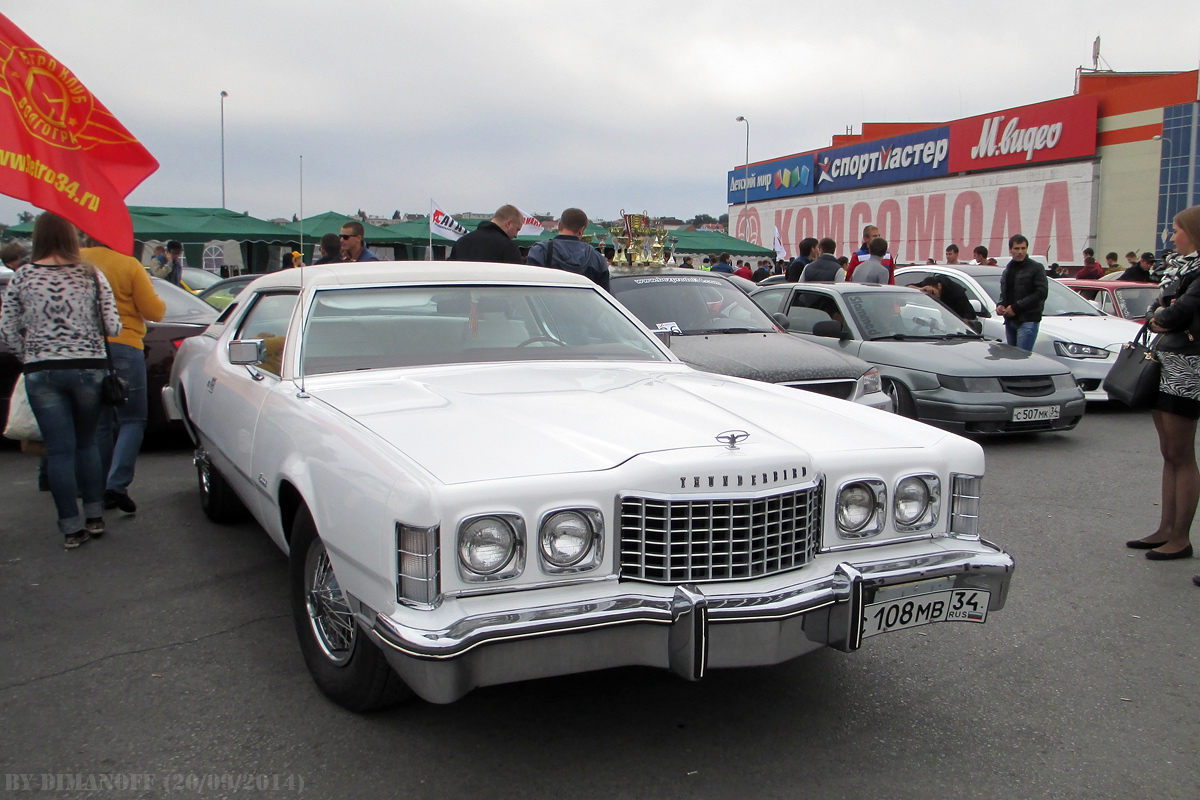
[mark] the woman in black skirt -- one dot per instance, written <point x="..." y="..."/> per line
<point x="1178" y="405"/>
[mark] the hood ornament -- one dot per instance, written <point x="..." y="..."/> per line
<point x="731" y="438"/>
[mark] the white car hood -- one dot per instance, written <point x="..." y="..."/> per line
<point x="1096" y="331"/>
<point x="487" y="422"/>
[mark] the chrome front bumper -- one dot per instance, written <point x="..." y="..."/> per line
<point x="686" y="629"/>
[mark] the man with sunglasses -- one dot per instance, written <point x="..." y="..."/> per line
<point x="353" y="248"/>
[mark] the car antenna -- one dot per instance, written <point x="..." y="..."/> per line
<point x="303" y="395"/>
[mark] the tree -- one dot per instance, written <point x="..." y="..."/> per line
<point x="724" y="221"/>
<point x="24" y="217"/>
<point x="703" y="219"/>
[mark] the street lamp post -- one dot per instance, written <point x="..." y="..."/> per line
<point x="746" y="179"/>
<point x="1170" y="155"/>
<point x="224" y="94"/>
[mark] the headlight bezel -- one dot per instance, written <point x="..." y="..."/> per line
<point x="512" y="567"/>
<point x="870" y="382"/>
<point x="928" y="518"/>
<point x="1079" y="351"/>
<point x="1065" y="381"/>
<point x="874" y="522"/>
<point x="592" y="554"/>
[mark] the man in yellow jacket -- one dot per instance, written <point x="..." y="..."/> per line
<point x="137" y="302"/>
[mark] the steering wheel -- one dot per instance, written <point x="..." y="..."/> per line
<point x="541" y="339"/>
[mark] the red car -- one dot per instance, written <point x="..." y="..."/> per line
<point x="1118" y="298"/>
<point x="186" y="315"/>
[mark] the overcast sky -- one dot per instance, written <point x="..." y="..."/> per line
<point x="550" y="104"/>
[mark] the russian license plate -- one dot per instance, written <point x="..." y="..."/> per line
<point x="1035" y="413"/>
<point x="952" y="605"/>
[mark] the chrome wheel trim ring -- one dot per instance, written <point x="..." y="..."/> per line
<point x="206" y="478"/>
<point x="329" y="614"/>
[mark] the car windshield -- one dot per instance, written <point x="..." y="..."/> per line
<point x="1060" y="301"/>
<point x="690" y="304"/>
<point x="383" y="327"/>
<point x="904" y="314"/>
<point x="220" y="295"/>
<point x="199" y="279"/>
<point x="1135" y="301"/>
<point x="182" y="305"/>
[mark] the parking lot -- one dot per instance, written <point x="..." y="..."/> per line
<point x="166" y="651"/>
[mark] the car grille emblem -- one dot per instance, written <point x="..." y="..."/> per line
<point x="731" y="438"/>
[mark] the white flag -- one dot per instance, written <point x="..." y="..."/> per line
<point x="779" y="248"/>
<point x="443" y="224"/>
<point x="530" y="226"/>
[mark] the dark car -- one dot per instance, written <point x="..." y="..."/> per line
<point x="935" y="367"/>
<point x="714" y="326"/>
<point x="186" y="315"/>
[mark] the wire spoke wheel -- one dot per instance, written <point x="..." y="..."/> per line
<point x="328" y="612"/>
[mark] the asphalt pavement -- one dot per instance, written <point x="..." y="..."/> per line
<point x="161" y="660"/>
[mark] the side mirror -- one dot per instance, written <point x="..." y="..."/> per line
<point x="978" y="308"/>
<point x="247" y="351"/>
<point x="782" y="320"/>
<point x="830" y="329"/>
<point x="664" y="337"/>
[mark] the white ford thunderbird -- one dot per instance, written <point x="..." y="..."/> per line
<point x="486" y="473"/>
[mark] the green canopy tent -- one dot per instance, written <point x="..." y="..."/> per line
<point x="702" y="243"/>
<point x="196" y="228"/>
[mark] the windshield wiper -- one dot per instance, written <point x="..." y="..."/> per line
<point x="963" y="335"/>
<point x="731" y="330"/>
<point x="1074" y="314"/>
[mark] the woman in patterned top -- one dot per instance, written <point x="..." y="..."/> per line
<point x="49" y="318"/>
<point x="1178" y="404"/>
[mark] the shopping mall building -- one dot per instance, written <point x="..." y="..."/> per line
<point x="1105" y="168"/>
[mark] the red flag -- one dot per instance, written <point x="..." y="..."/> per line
<point x="60" y="148"/>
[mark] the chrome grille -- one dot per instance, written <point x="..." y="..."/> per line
<point x="841" y="389"/>
<point x="684" y="540"/>
<point x="1029" y="385"/>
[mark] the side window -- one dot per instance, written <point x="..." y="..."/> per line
<point x="909" y="278"/>
<point x="808" y="308"/>
<point x="771" y="299"/>
<point x="1106" y="304"/>
<point x="268" y="320"/>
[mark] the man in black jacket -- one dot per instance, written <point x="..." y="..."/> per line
<point x="1023" y="290"/>
<point x="331" y="250"/>
<point x="1140" y="271"/>
<point x="492" y="240"/>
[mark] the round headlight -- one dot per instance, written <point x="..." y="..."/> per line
<point x="565" y="538"/>
<point x="855" y="507"/>
<point x="486" y="545"/>
<point x="912" y="501"/>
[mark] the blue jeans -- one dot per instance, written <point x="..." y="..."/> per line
<point x="119" y="448"/>
<point x="67" y="405"/>
<point x="1021" y="335"/>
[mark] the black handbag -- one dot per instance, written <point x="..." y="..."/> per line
<point x="1133" y="379"/>
<point x="114" y="390"/>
